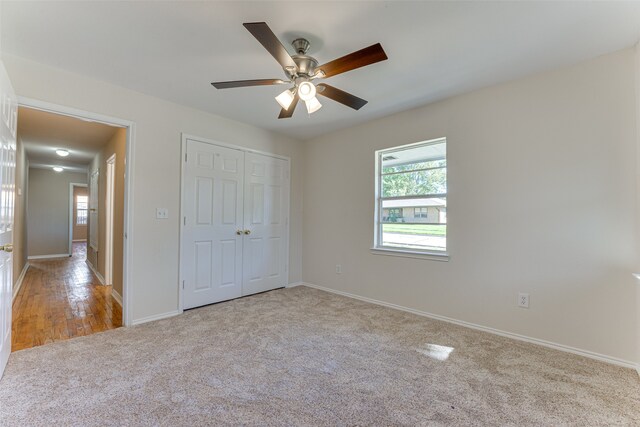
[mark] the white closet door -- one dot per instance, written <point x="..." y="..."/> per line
<point x="212" y="235"/>
<point x="266" y="215"/>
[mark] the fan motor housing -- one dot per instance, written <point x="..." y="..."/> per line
<point x="306" y="65"/>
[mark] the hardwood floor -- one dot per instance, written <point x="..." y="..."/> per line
<point x="61" y="299"/>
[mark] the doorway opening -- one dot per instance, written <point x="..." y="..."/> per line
<point x="74" y="159"/>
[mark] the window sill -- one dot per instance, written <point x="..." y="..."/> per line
<point x="434" y="256"/>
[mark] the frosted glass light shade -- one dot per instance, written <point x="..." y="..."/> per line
<point x="306" y="91"/>
<point x="285" y="99"/>
<point x="58" y="169"/>
<point x="62" y="153"/>
<point x="313" y="105"/>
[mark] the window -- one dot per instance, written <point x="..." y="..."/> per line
<point x="420" y="213"/>
<point x="412" y="179"/>
<point x="81" y="210"/>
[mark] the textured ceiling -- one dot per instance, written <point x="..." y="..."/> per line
<point x="173" y="50"/>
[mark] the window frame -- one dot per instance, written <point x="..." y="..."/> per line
<point x="377" y="247"/>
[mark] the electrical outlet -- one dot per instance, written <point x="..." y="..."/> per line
<point x="162" y="213"/>
<point x="338" y="269"/>
<point x="523" y="300"/>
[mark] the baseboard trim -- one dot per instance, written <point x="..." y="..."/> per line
<point x="294" y="284"/>
<point x="156" y="317"/>
<point x="79" y="240"/>
<point x="549" y="344"/>
<point x="20" y="279"/>
<point x="116" y="296"/>
<point x="98" y="275"/>
<point x="48" y="256"/>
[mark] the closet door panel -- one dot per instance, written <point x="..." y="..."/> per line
<point x="211" y="255"/>
<point x="266" y="222"/>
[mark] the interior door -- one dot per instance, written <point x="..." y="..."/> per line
<point x="212" y="224"/>
<point x="266" y="216"/>
<point x="8" y="129"/>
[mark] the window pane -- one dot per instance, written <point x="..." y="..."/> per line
<point x="414" y="166"/>
<point x="412" y="200"/>
<point x="423" y="182"/>
<point x="81" y="202"/>
<point x="415" y="236"/>
<point x="81" y="217"/>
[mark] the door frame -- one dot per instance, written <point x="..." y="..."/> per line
<point x="183" y="154"/>
<point x="129" y="161"/>
<point x="109" y="205"/>
<point x="71" y="203"/>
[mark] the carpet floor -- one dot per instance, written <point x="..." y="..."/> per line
<point x="301" y="356"/>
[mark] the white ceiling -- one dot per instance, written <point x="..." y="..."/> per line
<point x="173" y="50"/>
<point x="43" y="133"/>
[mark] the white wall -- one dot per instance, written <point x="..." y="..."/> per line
<point x="565" y="140"/>
<point x="156" y="169"/>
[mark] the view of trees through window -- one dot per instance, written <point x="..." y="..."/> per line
<point x="415" y="178"/>
<point x="413" y="197"/>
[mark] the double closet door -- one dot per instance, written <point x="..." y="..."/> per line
<point x="234" y="238"/>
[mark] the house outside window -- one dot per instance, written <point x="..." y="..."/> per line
<point x="411" y="198"/>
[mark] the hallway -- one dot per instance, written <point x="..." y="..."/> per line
<point x="61" y="299"/>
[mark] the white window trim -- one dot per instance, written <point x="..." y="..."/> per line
<point x="377" y="248"/>
<point x="408" y="253"/>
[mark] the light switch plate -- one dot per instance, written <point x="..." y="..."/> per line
<point x="162" y="213"/>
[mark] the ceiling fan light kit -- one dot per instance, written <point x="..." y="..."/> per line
<point x="301" y="69"/>
<point x="313" y="105"/>
<point x="286" y="98"/>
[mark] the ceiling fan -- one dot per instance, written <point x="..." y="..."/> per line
<point x="301" y="69"/>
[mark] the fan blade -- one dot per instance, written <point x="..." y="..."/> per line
<point x="341" y="96"/>
<point x="367" y="56"/>
<point x="285" y="114"/>
<point x="244" y="83"/>
<point x="265" y="36"/>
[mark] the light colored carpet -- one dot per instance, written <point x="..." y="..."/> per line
<point x="306" y="357"/>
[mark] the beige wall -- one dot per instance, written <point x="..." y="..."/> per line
<point x="79" y="231"/>
<point x="156" y="170"/>
<point x="117" y="145"/>
<point x="20" y="213"/>
<point x="48" y="211"/>
<point x="556" y="153"/>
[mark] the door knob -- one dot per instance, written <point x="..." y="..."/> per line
<point x="247" y="231"/>
<point x="238" y="232"/>
<point x="7" y="248"/>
